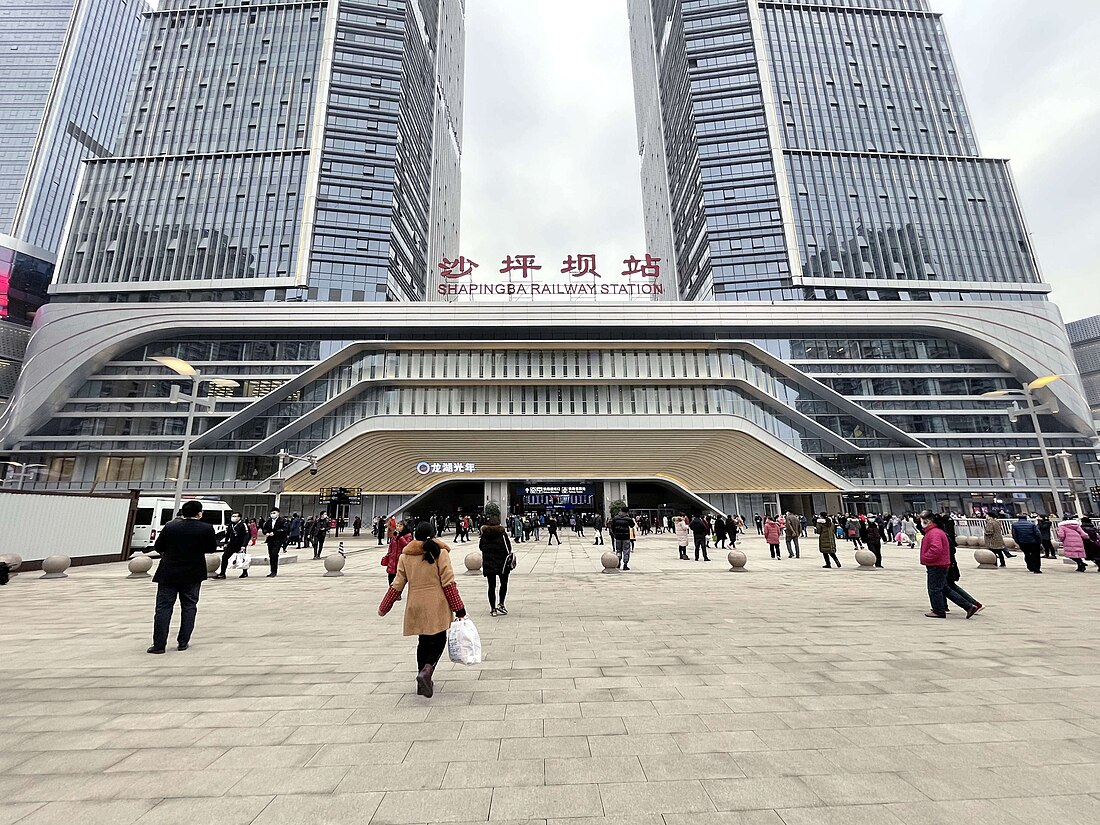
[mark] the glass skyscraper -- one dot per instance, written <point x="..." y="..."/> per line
<point x="64" y="73"/>
<point x="298" y="150"/>
<point x="819" y="152"/>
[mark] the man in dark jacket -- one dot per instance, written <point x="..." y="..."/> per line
<point x="275" y="529"/>
<point x="236" y="538"/>
<point x="1030" y="539"/>
<point x="620" y="527"/>
<point x="700" y="530"/>
<point x="183" y="545"/>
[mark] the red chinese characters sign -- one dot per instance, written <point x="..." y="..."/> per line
<point x="457" y="277"/>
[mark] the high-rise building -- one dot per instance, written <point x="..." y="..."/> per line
<point x="1084" y="335"/>
<point x="64" y="72"/>
<point x="301" y="149"/>
<point x="819" y="151"/>
<point x="888" y="312"/>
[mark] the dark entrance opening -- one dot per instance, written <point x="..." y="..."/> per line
<point x="657" y="499"/>
<point x="459" y="497"/>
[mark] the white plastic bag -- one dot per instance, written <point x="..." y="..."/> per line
<point x="240" y="561"/>
<point x="464" y="643"/>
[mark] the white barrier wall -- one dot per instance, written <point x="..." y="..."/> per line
<point x="37" y="525"/>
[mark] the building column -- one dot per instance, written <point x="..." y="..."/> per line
<point x="614" y="491"/>
<point x="497" y="491"/>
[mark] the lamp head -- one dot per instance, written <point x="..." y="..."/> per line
<point x="177" y="365"/>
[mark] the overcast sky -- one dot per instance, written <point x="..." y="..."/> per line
<point x="551" y="162"/>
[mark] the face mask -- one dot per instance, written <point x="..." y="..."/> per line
<point x="235" y="519"/>
<point x="274" y="515"/>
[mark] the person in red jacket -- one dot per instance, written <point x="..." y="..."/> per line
<point x="771" y="536"/>
<point x="935" y="555"/>
<point x="402" y="535"/>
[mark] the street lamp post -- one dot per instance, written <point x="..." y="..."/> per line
<point x="1033" y="409"/>
<point x="181" y="367"/>
<point x="284" y="459"/>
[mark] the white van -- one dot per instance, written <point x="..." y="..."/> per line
<point x="154" y="513"/>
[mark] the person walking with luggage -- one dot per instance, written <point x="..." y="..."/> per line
<point x="1073" y="541"/>
<point x="771" y="536"/>
<point x="402" y="536"/>
<point x="1046" y="528"/>
<point x="1030" y="539"/>
<point x="792" y="529"/>
<point x="720" y="531"/>
<point x="236" y="539"/>
<point x="497" y="561"/>
<point x="874" y="540"/>
<point x="935" y="555"/>
<point x="274" y="529"/>
<point x="425" y="567"/>
<point x="552" y="531"/>
<point x="699" y="531"/>
<point x="953" y="591"/>
<point x="826" y="540"/>
<point x="995" y="540"/>
<point x="183" y="545"/>
<point x="683" y="535"/>
<point x="622" y="533"/>
<point x="320" y="532"/>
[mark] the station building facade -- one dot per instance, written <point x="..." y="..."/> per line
<point x="732" y="408"/>
<point x="854" y="279"/>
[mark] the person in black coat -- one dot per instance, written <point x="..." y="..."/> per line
<point x="495" y="550"/>
<point x="275" y="530"/>
<point x="700" y="530"/>
<point x="182" y="545"/>
<point x="236" y="538"/>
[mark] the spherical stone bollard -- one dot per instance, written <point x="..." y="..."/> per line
<point x="139" y="566"/>
<point x="610" y="562"/>
<point x="12" y="560"/>
<point x="737" y="560"/>
<point x="213" y="562"/>
<point x="334" y="565"/>
<point x="865" y="559"/>
<point x="54" y="567"/>
<point x="1011" y="544"/>
<point x="986" y="559"/>
<point x="473" y="563"/>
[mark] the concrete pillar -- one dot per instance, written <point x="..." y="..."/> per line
<point x="613" y="491"/>
<point x="498" y="491"/>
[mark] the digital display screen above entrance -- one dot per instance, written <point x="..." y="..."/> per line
<point x="341" y="495"/>
<point x="559" y="495"/>
<point x="427" y="468"/>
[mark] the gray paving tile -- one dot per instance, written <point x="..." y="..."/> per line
<point x="598" y="769"/>
<point x="654" y="797"/>
<point x="89" y="812"/>
<point x="760" y="793"/>
<point x="862" y="789"/>
<point x="317" y="809"/>
<point x="550" y="802"/>
<point x="841" y="815"/>
<point x="401" y="807"/>
<point x="495" y="774"/>
<point x="226" y="810"/>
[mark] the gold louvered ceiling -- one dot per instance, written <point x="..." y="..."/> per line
<point x="701" y="461"/>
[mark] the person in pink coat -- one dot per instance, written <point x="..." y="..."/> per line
<point x="935" y="555"/>
<point x="772" y="530"/>
<point x="1073" y="542"/>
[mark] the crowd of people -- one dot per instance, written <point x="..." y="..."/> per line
<point x="417" y="559"/>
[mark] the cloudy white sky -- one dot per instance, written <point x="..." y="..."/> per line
<point x="551" y="164"/>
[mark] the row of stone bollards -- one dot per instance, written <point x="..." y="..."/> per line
<point x="53" y="567"/>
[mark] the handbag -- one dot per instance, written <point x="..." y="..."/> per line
<point x="510" y="559"/>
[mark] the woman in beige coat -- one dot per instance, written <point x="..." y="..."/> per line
<point x="425" y="566"/>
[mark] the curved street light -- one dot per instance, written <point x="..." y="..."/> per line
<point x="185" y="370"/>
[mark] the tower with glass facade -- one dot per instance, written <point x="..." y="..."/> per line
<point x="819" y="152"/>
<point x="64" y="72"/>
<point x="301" y="150"/>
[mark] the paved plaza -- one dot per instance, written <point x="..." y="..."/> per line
<point x="677" y="694"/>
